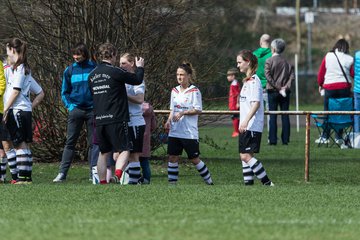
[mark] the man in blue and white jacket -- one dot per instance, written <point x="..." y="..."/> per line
<point x="77" y="98"/>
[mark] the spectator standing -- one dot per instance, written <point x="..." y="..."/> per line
<point x="234" y="98"/>
<point x="279" y="74"/>
<point x="262" y="54"/>
<point x="334" y="77"/>
<point x="150" y="120"/>
<point x="182" y="123"/>
<point x="111" y="109"/>
<point x="251" y="119"/>
<point x="76" y="96"/>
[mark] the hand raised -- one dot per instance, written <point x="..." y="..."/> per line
<point x="139" y="61"/>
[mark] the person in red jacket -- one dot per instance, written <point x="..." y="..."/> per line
<point x="234" y="98"/>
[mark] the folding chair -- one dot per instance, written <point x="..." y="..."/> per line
<point x="338" y="125"/>
<point x="321" y="123"/>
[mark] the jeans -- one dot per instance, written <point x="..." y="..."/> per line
<point x="356" y="108"/>
<point x="275" y="100"/>
<point x="145" y="166"/>
<point x="266" y="106"/>
<point x="76" y="119"/>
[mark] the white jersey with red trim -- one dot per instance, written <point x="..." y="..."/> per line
<point x="188" y="99"/>
<point x="16" y="79"/>
<point x="252" y="92"/>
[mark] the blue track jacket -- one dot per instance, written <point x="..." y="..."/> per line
<point x="75" y="90"/>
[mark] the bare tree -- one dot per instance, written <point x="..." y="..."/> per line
<point x="164" y="32"/>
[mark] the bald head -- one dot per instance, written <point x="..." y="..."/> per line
<point x="265" y="41"/>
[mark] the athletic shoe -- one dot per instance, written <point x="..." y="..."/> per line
<point x="339" y="141"/>
<point x="145" y="181"/>
<point x="114" y="179"/>
<point x="26" y="182"/>
<point x="235" y="134"/>
<point x="59" y="178"/>
<point x="269" y="184"/>
<point x="2" y="181"/>
<point x="13" y="181"/>
<point x="322" y="140"/>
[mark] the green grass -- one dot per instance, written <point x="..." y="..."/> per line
<point x="327" y="207"/>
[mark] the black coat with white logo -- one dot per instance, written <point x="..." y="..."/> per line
<point x="107" y="84"/>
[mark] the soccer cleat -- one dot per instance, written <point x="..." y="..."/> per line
<point x="269" y="184"/>
<point x="23" y="182"/>
<point x="13" y="181"/>
<point x="172" y="183"/>
<point x="322" y="140"/>
<point x="114" y="179"/>
<point x="235" y="134"/>
<point x="59" y="178"/>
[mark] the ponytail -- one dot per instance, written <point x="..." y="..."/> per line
<point x="188" y="68"/>
<point x="20" y="47"/>
<point x="248" y="56"/>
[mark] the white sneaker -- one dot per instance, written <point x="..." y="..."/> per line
<point x="322" y="140"/>
<point x="344" y="146"/>
<point x="339" y="141"/>
<point x="59" y="178"/>
<point x="269" y="184"/>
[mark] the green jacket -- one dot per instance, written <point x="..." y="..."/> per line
<point x="262" y="54"/>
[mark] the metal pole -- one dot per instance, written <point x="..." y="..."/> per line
<point x="297" y="93"/>
<point x="309" y="28"/>
<point x="315" y="4"/>
<point x="307" y="147"/>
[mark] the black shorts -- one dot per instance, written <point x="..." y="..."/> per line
<point x="113" y="137"/>
<point x="249" y="142"/>
<point x="177" y="145"/>
<point x="137" y="138"/>
<point x="19" y="126"/>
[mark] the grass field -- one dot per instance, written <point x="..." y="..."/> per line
<point x="327" y="207"/>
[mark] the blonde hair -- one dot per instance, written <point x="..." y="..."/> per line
<point x="130" y="57"/>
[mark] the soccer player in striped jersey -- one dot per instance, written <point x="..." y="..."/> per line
<point x="251" y="119"/>
<point x="185" y="106"/>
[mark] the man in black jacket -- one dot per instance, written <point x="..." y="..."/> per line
<point x="107" y="83"/>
